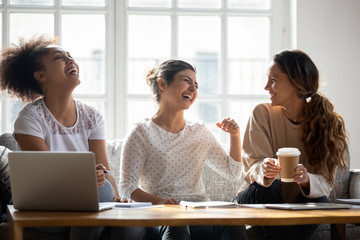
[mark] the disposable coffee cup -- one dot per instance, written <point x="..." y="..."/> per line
<point x="288" y="160"/>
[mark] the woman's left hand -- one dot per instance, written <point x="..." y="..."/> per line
<point x="120" y="199"/>
<point x="301" y="176"/>
<point x="230" y="126"/>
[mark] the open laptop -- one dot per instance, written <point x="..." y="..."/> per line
<point x="307" y="206"/>
<point x="54" y="181"/>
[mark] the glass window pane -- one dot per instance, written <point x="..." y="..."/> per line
<point x="14" y="108"/>
<point x="147" y="48"/>
<point x="84" y="37"/>
<point x="148" y="109"/>
<point x="249" y="4"/>
<point x="28" y="25"/>
<point x="32" y="2"/>
<point x="150" y="3"/>
<point x="203" y="49"/>
<point x="207" y="111"/>
<point x="199" y="3"/>
<point x="85" y="3"/>
<point x="241" y="111"/>
<point x="248" y="54"/>
<point x="138" y="68"/>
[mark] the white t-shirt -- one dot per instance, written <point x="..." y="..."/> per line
<point x="169" y="165"/>
<point x="35" y="119"/>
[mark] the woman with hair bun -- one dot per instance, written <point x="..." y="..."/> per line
<point x="300" y="117"/>
<point x="163" y="157"/>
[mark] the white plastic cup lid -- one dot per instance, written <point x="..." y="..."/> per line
<point x="287" y="151"/>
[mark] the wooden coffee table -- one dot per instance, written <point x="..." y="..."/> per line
<point x="172" y="215"/>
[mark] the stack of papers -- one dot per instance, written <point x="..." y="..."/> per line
<point x="355" y="201"/>
<point x="132" y="204"/>
<point x="307" y="206"/>
<point x="128" y="204"/>
<point x="210" y="204"/>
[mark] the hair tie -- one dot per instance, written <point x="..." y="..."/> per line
<point x="308" y="99"/>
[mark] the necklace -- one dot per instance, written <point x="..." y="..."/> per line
<point x="296" y="122"/>
<point x="292" y="120"/>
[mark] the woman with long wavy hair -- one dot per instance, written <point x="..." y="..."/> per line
<point x="300" y="117"/>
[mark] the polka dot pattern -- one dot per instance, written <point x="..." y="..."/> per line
<point x="170" y="165"/>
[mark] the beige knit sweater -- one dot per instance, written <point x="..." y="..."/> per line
<point x="267" y="131"/>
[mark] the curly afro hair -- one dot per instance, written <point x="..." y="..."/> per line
<point x="17" y="67"/>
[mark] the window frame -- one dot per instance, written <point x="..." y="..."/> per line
<point x="116" y="15"/>
<point x="279" y="38"/>
<point x="58" y="11"/>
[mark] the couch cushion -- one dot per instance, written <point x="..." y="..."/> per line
<point x="342" y="178"/>
<point x="354" y="187"/>
<point x="113" y="149"/>
<point x="5" y="190"/>
<point x="217" y="187"/>
<point x="7" y="140"/>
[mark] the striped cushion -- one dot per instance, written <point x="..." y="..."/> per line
<point x="5" y="190"/>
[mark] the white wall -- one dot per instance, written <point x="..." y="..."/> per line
<point x="329" y="31"/>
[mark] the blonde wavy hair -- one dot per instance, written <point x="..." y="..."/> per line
<point x="324" y="136"/>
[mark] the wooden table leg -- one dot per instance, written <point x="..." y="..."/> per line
<point x="18" y="232"/>
<point x="10" y="227"/>
<point x="14" y="230"/>
<point x="338" y="231"/>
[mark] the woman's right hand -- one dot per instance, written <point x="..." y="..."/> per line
<point x="229" y="125"/>
<point x="172" y="201"/>
<point x="141" y="196"/>
<point x="100" y="174"/>
<point x="270" y="167"/>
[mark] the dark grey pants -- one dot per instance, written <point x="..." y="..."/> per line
<point x="257" y="194"/>
<point x="207" y="232"/>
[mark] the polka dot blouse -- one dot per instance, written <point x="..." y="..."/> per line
<point x="169" y="165"/>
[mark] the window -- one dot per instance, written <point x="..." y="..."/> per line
<point x="229" y="41"/>
<point x="81" y="29"/>
<point x="117" y="42"/>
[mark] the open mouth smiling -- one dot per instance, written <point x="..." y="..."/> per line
<point x="187" y="96"/>
<point x="72" y="70"/>
<point x="272" y="95"/>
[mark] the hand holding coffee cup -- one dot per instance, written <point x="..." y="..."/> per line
<point x="270" y="167"/>
<point x="288" y="160"/>
<point x="301" y="176"/>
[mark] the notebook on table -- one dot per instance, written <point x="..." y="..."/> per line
<point x="54" y="181"/>
<point x="208" y="204"/>
<point x="352" y="201"/>
<point x="307" y="206"/>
